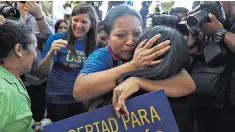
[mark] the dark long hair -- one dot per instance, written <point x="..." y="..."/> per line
<point x="115" y="13"/>
<point x="57" y="24"/>
<point x="90" y="39"/>
<point x="172" y="62"/>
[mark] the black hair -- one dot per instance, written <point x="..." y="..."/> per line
<point x="90" y="39"/>
<point x="12" y="33"/>
<point x="144" y="3"/>
<point x="57" y="24"/>
<point x="116" y="12"/>
<point x="179" y="10"/>
<point x="100" y="27"/>
<point x="172" y="62"/>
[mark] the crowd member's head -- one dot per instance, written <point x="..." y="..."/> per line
<point x="61" y="26"/>
<point x="180" y="11"/>
<point x="102" y="38"/>
<point x="83" y="25"/>
<point x="123" y="25"/>
<point x="172" y="62"/>
<point x="17" y="46"/>
<point x="144" y="3"/>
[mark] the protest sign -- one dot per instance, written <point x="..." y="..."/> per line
<point x="150" y="112"/>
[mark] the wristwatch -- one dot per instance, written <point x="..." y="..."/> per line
<point x="219" y="35"/>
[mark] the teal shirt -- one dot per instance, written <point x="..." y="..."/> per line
<point x="15" y="112"/>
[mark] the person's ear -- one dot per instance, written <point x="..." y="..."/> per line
<point x="18" y="50"/>
<point x="107" y="38"/>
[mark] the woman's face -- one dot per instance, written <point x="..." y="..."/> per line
<point x="62" y="27"/>
<point x="81" y="24"/>
<point x="102" y="39"/>
<point x="125" y="33"/>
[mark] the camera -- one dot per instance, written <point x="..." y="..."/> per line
<point x="212" y="50"/>
<point x="165" y="19"/>
<point x="171" y="20"/>
<point x="9" y="12"/>
<point x="200" y="14"/>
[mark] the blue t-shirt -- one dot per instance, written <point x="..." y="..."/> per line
<point x="64" y="71"/>
<point x="99" y="60"/>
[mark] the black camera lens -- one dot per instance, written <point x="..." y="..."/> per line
<point x="10" y="13"/>
<point x="193" y="22"/>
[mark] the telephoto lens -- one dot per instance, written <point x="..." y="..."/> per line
<point x="9" y="12"/>
<point x="195" y="20"/>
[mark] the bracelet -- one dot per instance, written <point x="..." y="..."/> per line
<point x="219" y="35"/>
<point x="39" y="18"/>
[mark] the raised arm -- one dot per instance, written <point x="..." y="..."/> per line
<point x="49" y="51"/>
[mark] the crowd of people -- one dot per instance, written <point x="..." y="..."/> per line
<point x="72" y="67"/>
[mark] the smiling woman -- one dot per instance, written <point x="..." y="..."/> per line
<point x="17" y="53"/>
<point x="63" y="56"/>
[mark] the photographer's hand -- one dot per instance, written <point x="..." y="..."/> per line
<point x="213" y="26"/>
<point x="34" y="9"/>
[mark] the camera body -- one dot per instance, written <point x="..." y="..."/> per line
<point x="200" y="14"/>
<point x="165" y="19"/>
<point x="9" y="12"/>
<point x="212" y="51"/>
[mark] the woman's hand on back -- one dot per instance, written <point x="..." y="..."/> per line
<point x="57" y="45"/>
<point x="145" y="56"/>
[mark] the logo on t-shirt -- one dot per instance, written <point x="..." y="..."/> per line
<point x="74" y="61"/>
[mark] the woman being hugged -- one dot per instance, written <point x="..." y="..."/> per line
<point x="63" y="57"/>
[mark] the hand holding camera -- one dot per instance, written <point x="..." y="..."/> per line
<point x="213" y="26"/>
<point x="199" y="16"/>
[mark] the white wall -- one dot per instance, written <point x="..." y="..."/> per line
<point x="59" y="11"/>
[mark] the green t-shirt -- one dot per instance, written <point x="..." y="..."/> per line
<point x="15" y="112"/>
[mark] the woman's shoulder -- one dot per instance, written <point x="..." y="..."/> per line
<point x="3" y="88"/>
<point x="99" y="60"/>
<point x="2" y="83"/>
<point x="61" y="35"/>
<point x="101" y="55"/>
<point x="102" y="52"/>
